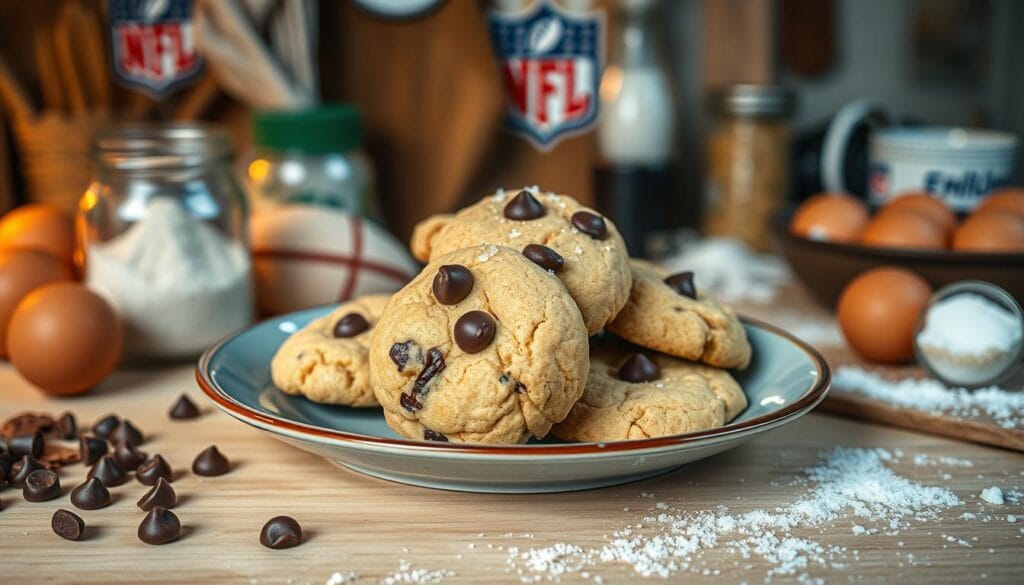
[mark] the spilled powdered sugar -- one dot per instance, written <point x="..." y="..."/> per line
<point x="846" y="483"/>
<point x="929" y="395"/>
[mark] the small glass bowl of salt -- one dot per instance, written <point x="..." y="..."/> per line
<point x="971" y="335"/>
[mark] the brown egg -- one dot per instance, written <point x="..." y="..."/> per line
<point x="21" y="271"/>
<point x="927" y="205"/>
<point x="990" y="231"/>
<point x="39" y="227"/>
<point x="877" y="312"/>
<point x="901" y="228"/>
<point x="64" y="338"/>
<point x="1008" y="199"/>
<point x="832" y="217"/>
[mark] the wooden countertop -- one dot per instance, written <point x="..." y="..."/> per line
<point x="374" y="528"/>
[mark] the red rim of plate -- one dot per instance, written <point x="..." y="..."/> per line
<point x="805" y="403"/>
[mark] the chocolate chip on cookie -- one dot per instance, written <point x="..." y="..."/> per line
<point x="544" y="257"/>
<point x="639" y="368"/>
<point x="590" y="224"/>
<point x="351" y="325"/>
<point x="434" y="436"/>
<point x="474" y="331"/>
<point x="452" y="284"/>
<point x="682" y="283"/>
<point x="402" y="352"/>
<point x="523" y="207"/>
<point x="433" y="366"/>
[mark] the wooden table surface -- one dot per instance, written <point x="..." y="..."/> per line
<point x="374" y="528"/>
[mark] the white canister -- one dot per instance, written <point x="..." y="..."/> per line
<point x="958" y="165"/>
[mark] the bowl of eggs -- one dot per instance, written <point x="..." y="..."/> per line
<point x="831" y="238"/>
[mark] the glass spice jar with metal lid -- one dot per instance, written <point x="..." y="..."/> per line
<point x="747" y="161"/>
<point x="161" y="234"/>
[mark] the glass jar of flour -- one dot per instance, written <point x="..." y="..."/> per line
<point x="162" y="236"/>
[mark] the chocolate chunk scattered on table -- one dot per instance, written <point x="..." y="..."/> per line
<point x="281" y="532"/>
<point x="68" y="525"/>
<point x="210" y="463"/>
<point x="91" y="495"/>
<point x="108" y="471"/>
<point x="41" y="485"/>
<point x="151" y="471"/>
<point x="126" y="432"/>
<point x="184" y="409"/>
<point x="160" y="526"/>
<point x="91" y="449"/>
<point x="161" y="494"/>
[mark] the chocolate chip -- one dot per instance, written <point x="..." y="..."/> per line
<point x="127" y="456"/>
<point x="474" y="331"/>
<point x="184" y="409"/>
<point x="211" y="463"/>
<point x="6" y="462"/>
<point x="126" y="432"/>
<point x="524" y="206"/>
<point x="433" y="366"/>
<point x="590" y="224"/>
<point x="28" y="444"/>
<point x="402" y="353"/>
<point x="160" y="526"/>
<point x="41" y="485"/>
<point x="23" y="468"/>
<point x="91" y="449"/>
<point x="544" y="257"/>
<point x="281" y="532"/>
<point x="162" y="494"/>
<point x="434" y="436"/>
<point x="108" y="471"/>
<point x="67" y="427"/>
<point x="639" y="368"/>
<point x="91" y="495"/>
<point x="452" y="283"/>
<point x="682" y="283"/>
<point x="351" y="325"/>
<point x="149" y="472"/>
<point x="519" y="388"/>
<point x="106" y="425"/>
<point x="67" y="525"/>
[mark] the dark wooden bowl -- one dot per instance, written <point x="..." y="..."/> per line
<point x="826" y="267"/>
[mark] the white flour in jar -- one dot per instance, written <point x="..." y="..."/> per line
<point x="968" y="339"/>
<point x="178" y="283"/>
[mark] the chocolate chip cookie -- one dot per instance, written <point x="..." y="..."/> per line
<point x="632" y="394"/>
<point x="666" y="313"/>
<point x="484" y="346"/>
<point x="574" y="242"/>
<point x="328" y="360"/>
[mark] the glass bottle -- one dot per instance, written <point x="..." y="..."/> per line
<point x="634" y="171"/>
<point x="748" y="161"/>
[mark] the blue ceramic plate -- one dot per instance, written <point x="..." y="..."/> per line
<point x="786" y="379"/>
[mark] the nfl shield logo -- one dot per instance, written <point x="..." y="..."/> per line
<point x="551" y="64"/>
<point x="152" y="44"/>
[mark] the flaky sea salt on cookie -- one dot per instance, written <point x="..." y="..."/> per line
<point x="484" y="346"/>
<point x="581" y="247"/>
<point x="666" y="314"/>
<point x="328" y="360"/>
<point x="638" y="395"/>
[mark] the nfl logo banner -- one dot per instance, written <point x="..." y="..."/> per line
<point x="550" y="62"/>
<point x="152" y="44"/>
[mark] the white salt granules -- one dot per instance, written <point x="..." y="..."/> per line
<point x="993" y="495"/>
<point x="729" y="270"/>
<point x="847" y="484"/>
<point x="406" y="574"/>
<point x="488" y="253"/>
<point x="1005" y="408"/>
<point x="971" y="325"/>
<point x="343" y="578"/>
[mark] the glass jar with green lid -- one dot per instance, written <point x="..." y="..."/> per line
<point x="312" y="156"/>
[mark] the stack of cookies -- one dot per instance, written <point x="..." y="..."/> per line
<point x="529" y="318"/>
